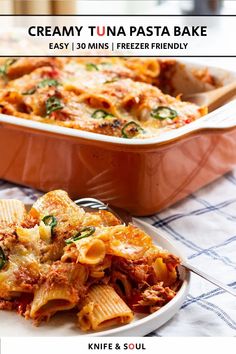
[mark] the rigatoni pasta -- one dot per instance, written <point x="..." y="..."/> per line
<point x="12" y="213"/>
<point x="58" y="257"/>
<point x="48" y="301"/>
<point x="103" y="308"/>
<point x="122" y="97"/>
<point x="58" y="291"/>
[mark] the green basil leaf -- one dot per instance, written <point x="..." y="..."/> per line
<point x="92" y="67"/>
<point x="53" y="104"/>
<point x="5" y="66"/>
<point x="84" y="232"/>
<point x="30" y="91"/>
<point x="48" y="82"/>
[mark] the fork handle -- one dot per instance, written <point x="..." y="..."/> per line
<point x="209" y="278"/>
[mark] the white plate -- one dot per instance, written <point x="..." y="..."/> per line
<point x="65" y="324"/>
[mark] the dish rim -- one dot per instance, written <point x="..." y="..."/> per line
<point x="163" y="138"/>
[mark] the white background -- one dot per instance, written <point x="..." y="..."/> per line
<point x="153" y="345"/>
<point x="220" y="39"/>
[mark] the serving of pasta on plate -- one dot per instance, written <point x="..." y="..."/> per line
<point x="57" y="257"/>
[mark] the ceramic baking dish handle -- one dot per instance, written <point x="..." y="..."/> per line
<point x="224" y="117"/>
<point x="221" y="118"/>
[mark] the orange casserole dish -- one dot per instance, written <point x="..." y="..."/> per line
<point x="106" y="157"/>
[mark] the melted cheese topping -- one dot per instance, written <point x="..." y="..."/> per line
<point x="112" y="96"/>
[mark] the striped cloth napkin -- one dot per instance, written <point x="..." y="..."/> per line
<point x="204" y="227"/>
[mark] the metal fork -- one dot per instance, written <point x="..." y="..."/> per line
<point x="92" y="204"/>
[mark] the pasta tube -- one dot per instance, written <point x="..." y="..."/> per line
<point x="121" y="284"/>
<point x="61" y="290"/>
<point x="47" y="301"/>
<point x="103" y="308"/>
<point x="28" y="235"/>
<point x="124" y="241"/>
<point x="163" y="274"/>
<point x="12" y="214"/>
<point x="90" y="250"/>
<point x="58" y="204"/>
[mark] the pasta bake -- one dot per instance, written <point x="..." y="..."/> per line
<point x="57" y="257"/>
<point x="122" y="97"/>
